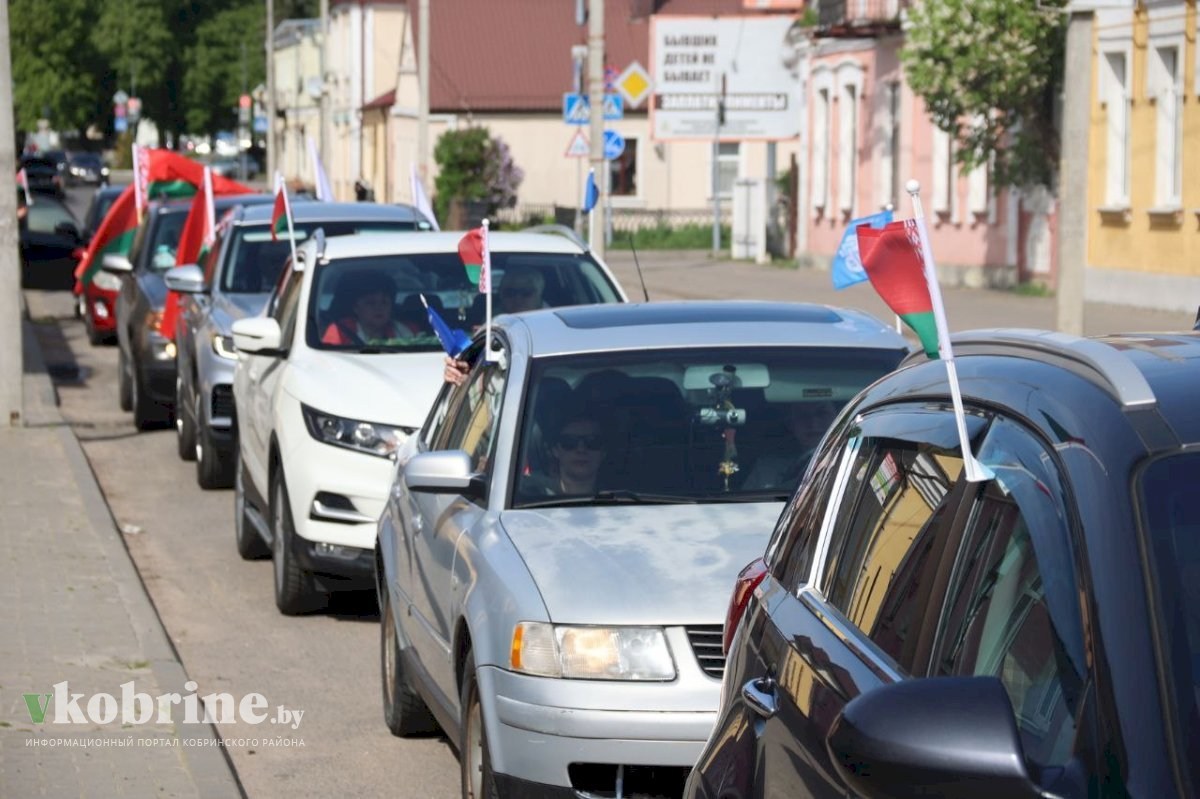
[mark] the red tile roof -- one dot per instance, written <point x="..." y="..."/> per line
<point x="385" y="100"/>
<point x="516" y="55"/>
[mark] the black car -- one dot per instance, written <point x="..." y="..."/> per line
<point x="146" y="360"/>
<point x="42" y="175"/>
<point x="50" y="245"/>
<point x="909" y="633"/>
<point x="86" y="168"/>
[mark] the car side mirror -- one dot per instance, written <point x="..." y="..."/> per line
<point x="185" y="279"/>
<point x="116" y="264"/>
<point x="257" y="335"/>
<point x="446" y="472"/>
<point x="938" y="736"/>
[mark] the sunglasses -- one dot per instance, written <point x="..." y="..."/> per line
<point x="568" y="442"/>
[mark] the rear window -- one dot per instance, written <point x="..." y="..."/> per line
<point x="254" y="260"/>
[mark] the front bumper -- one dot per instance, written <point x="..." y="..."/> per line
<point x="156" y="360"/>
<point x="548" y="731"/>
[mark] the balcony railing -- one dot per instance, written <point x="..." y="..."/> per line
<point x="858" y="17"/>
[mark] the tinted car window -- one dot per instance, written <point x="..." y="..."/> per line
<point x="1170" y="521"/>
<point x="473" y="426"/>
<point x="701" y="423"/>
<point x="44" y="216"/>
<point x="255" y="260"/>
<point x="891" y="527"/>
<point x="286" y="304"/>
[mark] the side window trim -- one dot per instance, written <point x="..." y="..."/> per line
<point x="853" y="638"/>
<point x="817" y="569"/>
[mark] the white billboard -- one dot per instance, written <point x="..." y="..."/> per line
<point x="756" y="57"/>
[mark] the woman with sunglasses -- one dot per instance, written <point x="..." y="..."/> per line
<point x="577" y="450"/>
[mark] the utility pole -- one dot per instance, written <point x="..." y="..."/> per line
<point x="423" y="91"/>
<point x="718" y="121"/>
<point x="599" y="215"/>
<point x="10" y="262"/>
<point x="1072" y="184"/>
<point x="323" y="139"/>
<point x="270" y="44"/>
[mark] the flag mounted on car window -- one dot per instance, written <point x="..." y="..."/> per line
<point x="891" y="257"/>
<point x="847" y="267"/>
<point x="472" y="249"/>
<point x="454" y="341"/>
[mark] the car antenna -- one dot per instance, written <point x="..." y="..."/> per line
<point x="641" y="277"/>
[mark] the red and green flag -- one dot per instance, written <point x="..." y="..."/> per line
<point x="891" y="257"/>
<point x="281" y="212"/>
<point x="473" y="250"/>
<point x="114" y="236"/>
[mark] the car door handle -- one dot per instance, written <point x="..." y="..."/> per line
<point x="760" y="696"/>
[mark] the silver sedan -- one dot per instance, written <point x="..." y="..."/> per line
<point x="555" y="558"/>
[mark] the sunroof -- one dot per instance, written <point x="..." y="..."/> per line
<point x="587" y="317"/>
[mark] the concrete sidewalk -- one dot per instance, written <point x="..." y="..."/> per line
<point x="77" y="613"/>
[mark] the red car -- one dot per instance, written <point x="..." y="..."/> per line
<point x="98" y="301"/>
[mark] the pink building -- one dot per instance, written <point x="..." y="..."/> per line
<point x="868" y="134"/>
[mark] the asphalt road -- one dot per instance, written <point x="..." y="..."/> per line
<point x="218" y="610"/>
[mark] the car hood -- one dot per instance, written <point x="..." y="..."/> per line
<point x="228" y="308"/>
<point x="656" y="564"/>
<point x="391" y="388"/>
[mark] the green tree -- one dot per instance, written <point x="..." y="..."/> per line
<point x="56" y="71"/>
<point x="138" y="45"/>
<point x="472" y="165"/>
<point x="228" y="56"/>
<point x="990" y="72"/>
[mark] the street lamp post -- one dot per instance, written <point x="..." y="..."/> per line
<point x="10" y="262"/>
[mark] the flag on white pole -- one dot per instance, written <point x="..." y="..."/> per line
<point x="420" y="198"/>
<point x="282" y="211"/>
<point x="320" y="179"/>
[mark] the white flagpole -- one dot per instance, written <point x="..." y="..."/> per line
<point x="281" y="185"/>
<point x="210" y="208"/>
<point x="486" y="274"/>
<point x="139" y="201"/>
<point x="975" y="471"/>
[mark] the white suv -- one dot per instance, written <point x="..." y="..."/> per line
<point x="342" y="366"/>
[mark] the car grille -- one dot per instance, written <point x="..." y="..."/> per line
<point x="222" y="402"/>
<point x="706" y="644"/>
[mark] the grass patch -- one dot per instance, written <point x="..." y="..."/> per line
<point x="662" y="237"/>
<point x="1032" y="290"/>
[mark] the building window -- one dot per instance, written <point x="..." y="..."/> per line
<point x="1115" y="96"/>
<point x="1165" y="89"/>
<point x="820" y="160"/>
<point x="847" y="148"/>
<point x="943" y="173"/>
<point x="622" y="172"/>
<point x="889" y="163"/>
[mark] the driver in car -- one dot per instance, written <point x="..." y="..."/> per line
<point x="371" y="295"/>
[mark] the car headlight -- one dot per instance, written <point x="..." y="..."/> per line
<point x="107" y="281"/>
<point x="374" y="439"/>
<point x="591" y="653"/>
<point x="223" y="346"/>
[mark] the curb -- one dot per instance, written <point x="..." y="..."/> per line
<point x="209" y="765"/>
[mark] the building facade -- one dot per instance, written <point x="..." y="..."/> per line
<point x="298" y="87"/>
<point x="1143" y="169"/>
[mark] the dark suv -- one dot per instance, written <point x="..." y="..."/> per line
<point x="146" y="361"/>
<point x="909" y="633"/>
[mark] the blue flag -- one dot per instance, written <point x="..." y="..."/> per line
<point x="847" y="265"/>
<point x="454" y="341"/>
<point x="590" y="193"/>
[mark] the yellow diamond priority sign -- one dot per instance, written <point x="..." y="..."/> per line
<point x="634" y="84"/>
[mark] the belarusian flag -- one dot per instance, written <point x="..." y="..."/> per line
<point x="115" y="235"/>
<point x="196" y="239"/>
<point x="473" y="250"/>
<point x="891" y="256"/>
<point x="23" y="182"/>
<point x="281" y="212"/>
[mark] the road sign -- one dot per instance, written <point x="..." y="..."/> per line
<point x="260" y="123"/>
<point x="120" y="98"/>
<point x="577" y="110"/>
<point x="244" y="101"/>
<point x="614" y="145"/>
<point x="634" y="84"/>
<point x="120" y="124"/>
<point x="135" y="107"/>
<point x="578" y="146"/>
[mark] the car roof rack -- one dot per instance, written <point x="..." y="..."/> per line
<point x="561" y="230"/>
<point x="1091" y="359"/>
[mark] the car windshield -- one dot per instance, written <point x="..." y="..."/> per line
<point x="99" y="208"/>
<point x="375" y="304"/>
<point x="254" y="260"/>
<point x="702" y="424"/>
<point x="1171" y="526"/>
<point x="44" y="216"/>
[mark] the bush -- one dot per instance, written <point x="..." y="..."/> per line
<point x="474" y="166"/>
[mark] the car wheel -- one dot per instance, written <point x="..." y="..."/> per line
<point x="124" y="384"/>
<point x="404" y="712"/>
<point x="185" y="423"/>
<point x="212" y="466"/>
<point x="478" y="780"/>
<point x="294" y="591"/>
<point x="249" y="544"/>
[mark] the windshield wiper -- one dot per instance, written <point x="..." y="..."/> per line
<point x="621" y="497"/>
<point x="749" y="496"/>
